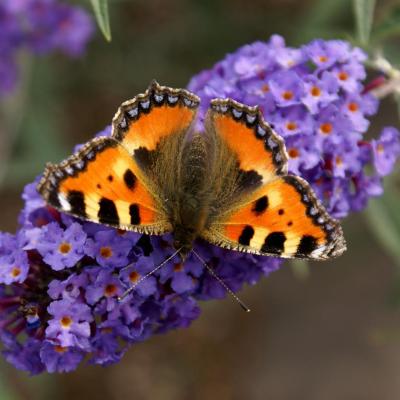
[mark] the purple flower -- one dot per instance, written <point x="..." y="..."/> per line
<point x="61" y="248"/>
<point x="69" y="326"/>
<point x="109" y="248"/>
<point x="14" y="267"/>
<point x="105" y="286"/>
<point x="131" y="274"/>
<point x="57" y="358"/>
<point x="287" y="88"/>
<point x="182" y="276"/>
<point x="70" y="288"/>
<point x="386" y="150"/>
<point x="319" y="92"/>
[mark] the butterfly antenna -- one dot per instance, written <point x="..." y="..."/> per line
<point x="128" y="291"/>
<point x="223" y="284"/>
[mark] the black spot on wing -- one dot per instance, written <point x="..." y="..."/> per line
<point x="129" y="179"/>
<point x="248" y="179"/>
<point x="307" y="245"/>
<point x="260" y="205"/>
<point x="76" y="199"/>
<point x="144" y="157"/>
<point x="108" y="213"/>
<point x="134" y="213"/>
<point x="246" y="235"/>
<point x="274" y="243"/>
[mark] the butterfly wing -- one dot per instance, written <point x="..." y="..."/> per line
<point x="101" y="183"/>
<point x="114" y="181"/>
<point x="277" y="214"/>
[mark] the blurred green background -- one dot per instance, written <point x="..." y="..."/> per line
<point x="329" y="332"/>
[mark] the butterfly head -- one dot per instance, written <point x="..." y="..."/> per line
<point x="183" y="240"/>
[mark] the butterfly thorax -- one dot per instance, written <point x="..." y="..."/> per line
<point x="191" y="212"/>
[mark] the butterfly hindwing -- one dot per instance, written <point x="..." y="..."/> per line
<point x="268" y="212"/>
<point x="102" y="183"/>
<point x="283" y="218"/>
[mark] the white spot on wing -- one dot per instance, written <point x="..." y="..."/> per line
<point x="64" y="202"/>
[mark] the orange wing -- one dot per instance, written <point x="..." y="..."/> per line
<point x="150" y="118"/>
<point x="112" y="180"/>
<point x="268" y="212"/>
<point x="102" y="183"/>
<point x="252" y="141"/>
<point x="283" y="218"/>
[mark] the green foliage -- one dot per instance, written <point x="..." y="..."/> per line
<point x="364" y="12"/>
<point x="383" y="215"/>
<point x="389" y="26"/>
<point x="100" y="8"/>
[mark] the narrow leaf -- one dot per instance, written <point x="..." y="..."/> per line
<point x="389" y="26"/>
<point x="363" y="12"/>
<point x="384" y="226"/>
<point x="100" y="8"/>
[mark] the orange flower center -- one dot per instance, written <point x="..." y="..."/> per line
<point x="64" y="248"/>
<point x="110" y="290"/>
<point x="287" y="95"/>
<point x="265" y="88"/>
<point x="339" y="160"/>
<point x="106" y="252"/>
<point x="326" y="128"/>
<point x="291" y="126"/>
<point x="16" y="271"/>
<point x="343" y="76"/>
<point x="353" y="107"/>
<point x="323" y="59"/>
<point x="134" y="276"/>
<point x="60" y="349"/>
<point x="380" y="148"/>
<point x="178" y="267"/>
<point x="315" y="91"/>
<point x="66" y="322"/>
<point x="293" y="153"/>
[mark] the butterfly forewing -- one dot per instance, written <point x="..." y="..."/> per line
<point x="102" y="183"/>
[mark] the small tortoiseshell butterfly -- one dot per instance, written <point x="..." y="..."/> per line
<point x="228" y="185"/>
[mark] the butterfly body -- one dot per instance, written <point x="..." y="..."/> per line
<point x="227" y="183"/>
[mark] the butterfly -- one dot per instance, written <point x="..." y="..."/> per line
<point x="228" y="184"/>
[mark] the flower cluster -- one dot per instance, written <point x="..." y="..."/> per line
<point x="315" y="98"/>
<point x="39" y="26"/>
<point x="60" y="277"/>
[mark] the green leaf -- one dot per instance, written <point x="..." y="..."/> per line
<point x="383" y="217"/>
<point x="363" y="12"/>
<point x="100" y="8"/>
<point x="389" y="26"/>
